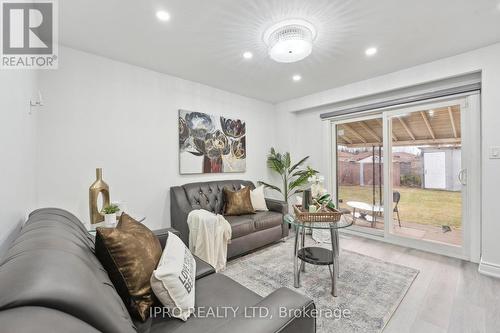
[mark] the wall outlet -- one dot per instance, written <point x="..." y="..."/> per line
<point x="494" y="152"/>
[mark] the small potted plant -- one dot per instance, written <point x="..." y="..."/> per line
<point x="109" y="212"/>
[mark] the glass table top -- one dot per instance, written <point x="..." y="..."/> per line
<point x="342" y="223"/>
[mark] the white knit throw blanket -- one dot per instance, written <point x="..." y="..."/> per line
<point x="209" y="235"/>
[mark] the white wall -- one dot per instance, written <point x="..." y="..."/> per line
<point x="103" y="113"/>
<point x="307" y="109"/>
<point x="17" y="151"/>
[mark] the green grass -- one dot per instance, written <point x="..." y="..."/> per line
<point x="432" y="207"/>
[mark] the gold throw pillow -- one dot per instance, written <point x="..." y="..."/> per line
<point x="238" y="202"/>
<point x="130" y="253"/>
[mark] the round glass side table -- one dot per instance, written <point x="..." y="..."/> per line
<point x="316" y="255"/>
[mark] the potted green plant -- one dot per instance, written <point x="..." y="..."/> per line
<point x="294" y="176"/>
<point x="109" y="212"/>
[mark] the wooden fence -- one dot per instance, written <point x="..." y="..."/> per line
<point x="350" y="174"/>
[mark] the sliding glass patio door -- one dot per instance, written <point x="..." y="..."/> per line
<point x="360" y="190"/>
<point x="408" y="174"/>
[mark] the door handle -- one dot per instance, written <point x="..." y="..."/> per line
<point x="462" y="177"/>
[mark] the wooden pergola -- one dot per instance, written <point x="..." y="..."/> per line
<point x="426" y="127"/>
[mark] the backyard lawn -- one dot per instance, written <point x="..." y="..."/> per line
<point x="417" y="205"/>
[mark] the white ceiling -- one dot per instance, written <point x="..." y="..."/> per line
<point x="205" y="39"/>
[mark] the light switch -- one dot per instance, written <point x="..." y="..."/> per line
<point x="494" y="152"/>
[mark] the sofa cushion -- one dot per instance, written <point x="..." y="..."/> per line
<point x="215" y="290"/>
<point x="241" y="225"/>
<point x="209" y="196"/>
<point x="266" y="220"/>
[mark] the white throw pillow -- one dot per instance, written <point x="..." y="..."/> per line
<point x="258" y="199"/>
<point x="174" y="278"/>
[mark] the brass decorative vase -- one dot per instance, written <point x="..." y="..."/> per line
<point x="98" y="187"/>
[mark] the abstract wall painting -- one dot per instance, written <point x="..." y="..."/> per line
<point x="211" y="144"/>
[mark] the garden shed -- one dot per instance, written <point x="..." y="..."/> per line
<point x="441" y="167"/>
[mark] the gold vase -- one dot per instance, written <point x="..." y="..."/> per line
<point x="98" y="187"/>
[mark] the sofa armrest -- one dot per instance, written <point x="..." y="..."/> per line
<point x="277" y="206"/>
<point x="283" y="311"/>
<point x="162" y="235"/>
<point x="179" y="211"/>
<point x="282" y="208"/>
<point x="202" y="267"/>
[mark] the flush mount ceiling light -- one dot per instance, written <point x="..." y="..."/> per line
<point x="163" y="15"/>
<point x="296" y="77"/>
<point x="248" y="55"/>
<point x="371" y="51"/>
<point x="290" y="40"/>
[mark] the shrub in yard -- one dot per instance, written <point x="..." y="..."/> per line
<point x="411" y="180"/>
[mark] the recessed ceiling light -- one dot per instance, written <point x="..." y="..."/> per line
<point x="431" y="113"/>
<point x="371" y="51"/>
<point x="163" y="15"/>
<point x="248" y="55"/>
<point x="296" y="77"/>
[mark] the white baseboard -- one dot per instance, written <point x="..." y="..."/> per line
<point x="489" y="269"/>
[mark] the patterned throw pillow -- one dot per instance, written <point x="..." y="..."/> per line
<point x="174" y="279"/>
<point x="130" y="253"/>
<point x="238" y="202"/>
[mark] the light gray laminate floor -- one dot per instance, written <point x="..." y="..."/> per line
<point x="448" y="295"/>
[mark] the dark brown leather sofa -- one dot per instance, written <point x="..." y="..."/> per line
<point x="249" y="232"/>
<point x="51" y="281"/>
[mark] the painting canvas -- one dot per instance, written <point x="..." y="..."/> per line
<point x="211" y="144"/>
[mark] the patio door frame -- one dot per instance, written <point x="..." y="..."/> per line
<point x="364" y="230"/>
<point x="471" y="161"/>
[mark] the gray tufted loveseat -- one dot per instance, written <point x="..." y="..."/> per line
<point x="249" y="232"/>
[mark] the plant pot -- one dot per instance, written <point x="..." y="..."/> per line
<point x="110" y="219"/>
